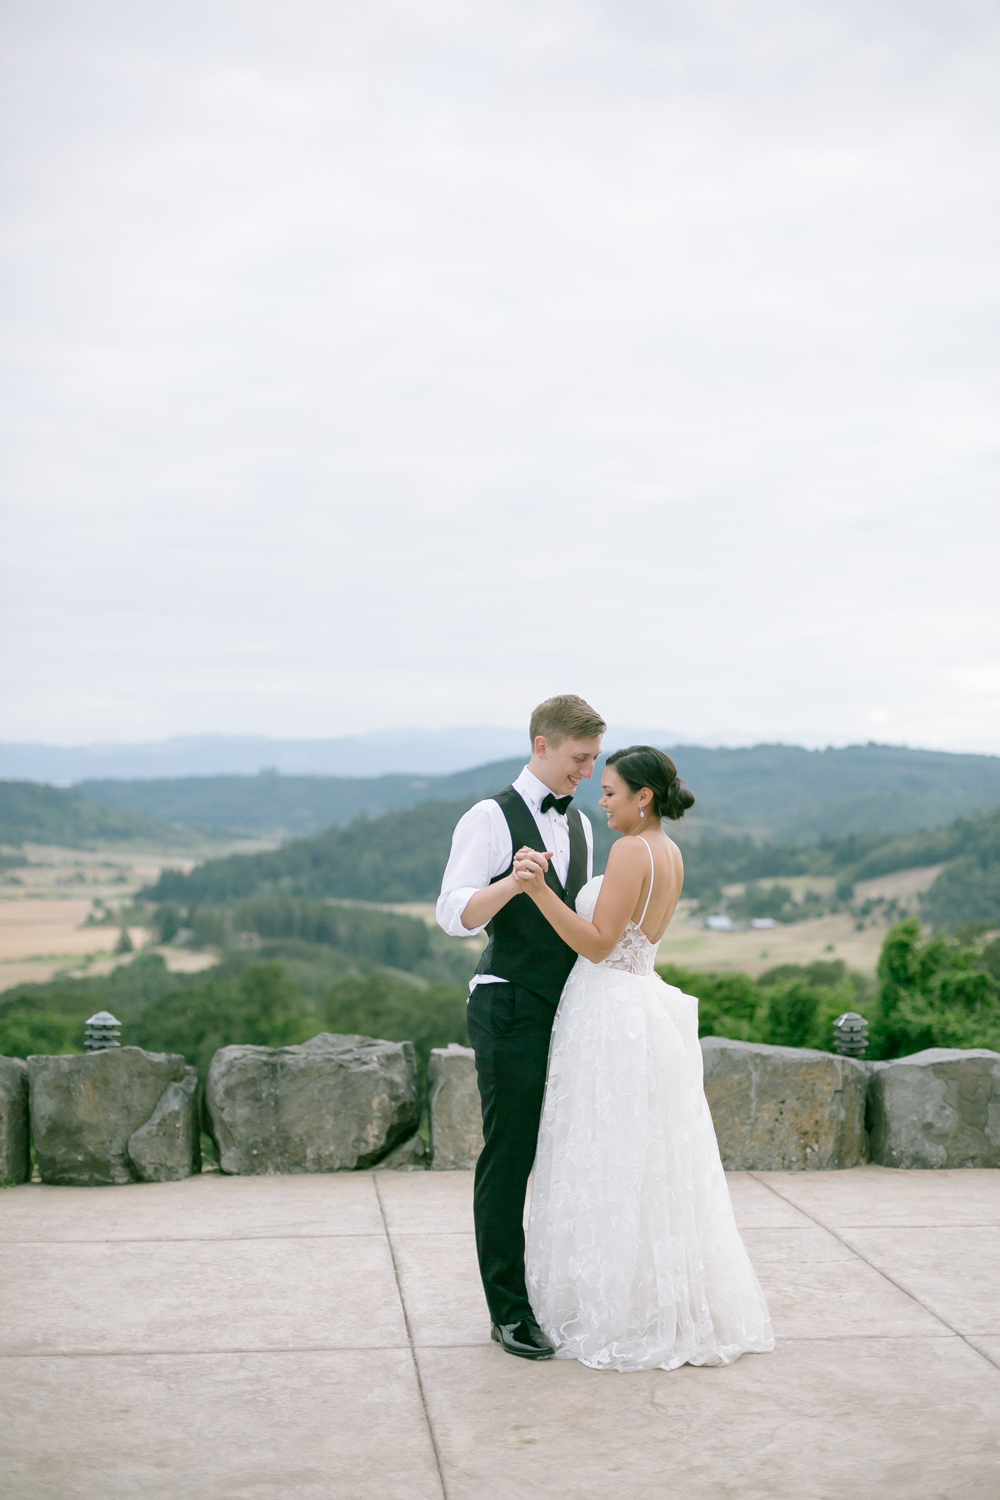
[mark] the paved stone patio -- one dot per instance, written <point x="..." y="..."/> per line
<point x="325" y="1338"/>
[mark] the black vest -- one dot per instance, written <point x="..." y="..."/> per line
<point x="523" y="948"/>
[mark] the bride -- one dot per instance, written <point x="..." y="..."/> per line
<point x="633" y="1259"/>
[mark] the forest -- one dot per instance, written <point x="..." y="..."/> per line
<point x="401" y="855"/>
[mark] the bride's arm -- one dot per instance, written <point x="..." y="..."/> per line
<point x="627" y="866"/>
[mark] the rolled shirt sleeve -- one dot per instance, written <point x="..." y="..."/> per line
<point x="480" y="850"/>
<point x="449" y="911"/>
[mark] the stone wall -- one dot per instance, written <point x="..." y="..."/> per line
<point x="342" y="1103"/>
<point x="789" y="1109"/>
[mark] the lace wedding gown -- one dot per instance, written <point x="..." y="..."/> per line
<point x="633" y="1259"/>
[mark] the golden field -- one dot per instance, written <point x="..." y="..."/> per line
<point x="837" y="935"/>
<point x="44" y="908"/>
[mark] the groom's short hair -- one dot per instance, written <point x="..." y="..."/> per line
<point x="567" y="717"/>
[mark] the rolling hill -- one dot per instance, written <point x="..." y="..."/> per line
<point x="33" y="813"/>
<point x="401" y="856"/>
<point x="776" y="792"/>
<point x="287" y="806"/>
<point x="397" y="857"/>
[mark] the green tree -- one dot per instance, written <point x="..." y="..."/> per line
<point x="793" y="1005"/>
<point x="383" y="1006"/>
<point x="727" y="1003"/>
<point x="934" y="992"/>
<point x="791" y="1014"/>
<point x="968" y="888"/>
<point x="25" y="1030"/>
<point x="49" y="1018"/>
<point x="990" y="958"/>
<point x="264" y="1008"/>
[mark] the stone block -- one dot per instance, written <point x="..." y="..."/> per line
<point x="785" y="1109"/>
<point x="332" y="1104"/>
<point x="456" y="1112"/>
<point x="411" y="1156"/>
<point x="15" y="1149"/>
<point x="85" y="1110"/>
<point x="168" y="1146"/>
<point x="939" y="1108"/>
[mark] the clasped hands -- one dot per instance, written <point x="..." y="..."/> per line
<point x="530" y="869"/>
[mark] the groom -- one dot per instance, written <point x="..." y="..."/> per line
<point x="516" y="988"/>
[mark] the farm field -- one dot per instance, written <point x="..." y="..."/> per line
<point x="40" y="937"/>
<point x="44" y="907"/>
<point x="692" y="946"/>
<point x="833" y="936"/>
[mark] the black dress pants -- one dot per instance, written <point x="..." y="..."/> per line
<point x="509" y="1028"/>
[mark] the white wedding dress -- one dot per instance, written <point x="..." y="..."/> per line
<point x="633" y="1258"/>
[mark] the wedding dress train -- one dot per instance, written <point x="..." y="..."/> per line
<point x="634" y="1260"/>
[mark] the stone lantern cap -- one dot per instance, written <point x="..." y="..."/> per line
<point x="101" y="1032"/>
<point x="850" y="1034"/>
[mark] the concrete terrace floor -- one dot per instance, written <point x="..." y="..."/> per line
<point x="325" y="1336"/>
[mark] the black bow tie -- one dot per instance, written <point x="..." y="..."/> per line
<point x="559" y="803"/>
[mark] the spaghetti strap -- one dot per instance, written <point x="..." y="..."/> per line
<point x="652" y="872"/>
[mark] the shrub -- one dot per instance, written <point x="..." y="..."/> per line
<point x="728" y="1003"/>
<point x="49" y="1018"/>
<point x="25" y="1030"/>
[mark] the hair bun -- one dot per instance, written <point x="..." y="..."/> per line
<point x="644" y="766"/>
<point x="677" y="801"/>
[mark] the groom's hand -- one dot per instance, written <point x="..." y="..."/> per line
<point x="531" y="867"/>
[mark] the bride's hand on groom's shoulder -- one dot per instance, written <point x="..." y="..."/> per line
<point x="530" y="869"/>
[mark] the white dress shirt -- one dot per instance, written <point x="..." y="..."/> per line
<point x="481" y="849"/>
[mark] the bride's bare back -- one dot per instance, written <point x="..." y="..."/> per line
<point x="667" y="881"/>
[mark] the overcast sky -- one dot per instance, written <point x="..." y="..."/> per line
<point x="402" y="364"/>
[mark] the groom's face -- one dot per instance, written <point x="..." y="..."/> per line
<point x="562" y="767"/>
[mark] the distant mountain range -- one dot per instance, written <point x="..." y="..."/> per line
<point x="418" y="752"/>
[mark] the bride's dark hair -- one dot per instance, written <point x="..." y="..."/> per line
<point x="644" y="765"/>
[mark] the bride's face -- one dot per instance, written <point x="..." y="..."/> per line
<point x="619" y="802"/>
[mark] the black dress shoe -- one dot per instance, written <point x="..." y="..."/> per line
<point x="525" y="1339"/>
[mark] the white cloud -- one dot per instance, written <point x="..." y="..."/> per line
<point x="403" y="364"/>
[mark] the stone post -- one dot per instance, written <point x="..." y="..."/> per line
<point x="332" y="1104"/>
<point x="939" y="1108"/>
<point x="456" y="1114"/>
<point x="785" y="1109"/>
<point x="86" y="1113"/>
<point x="15" y="1150"/>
